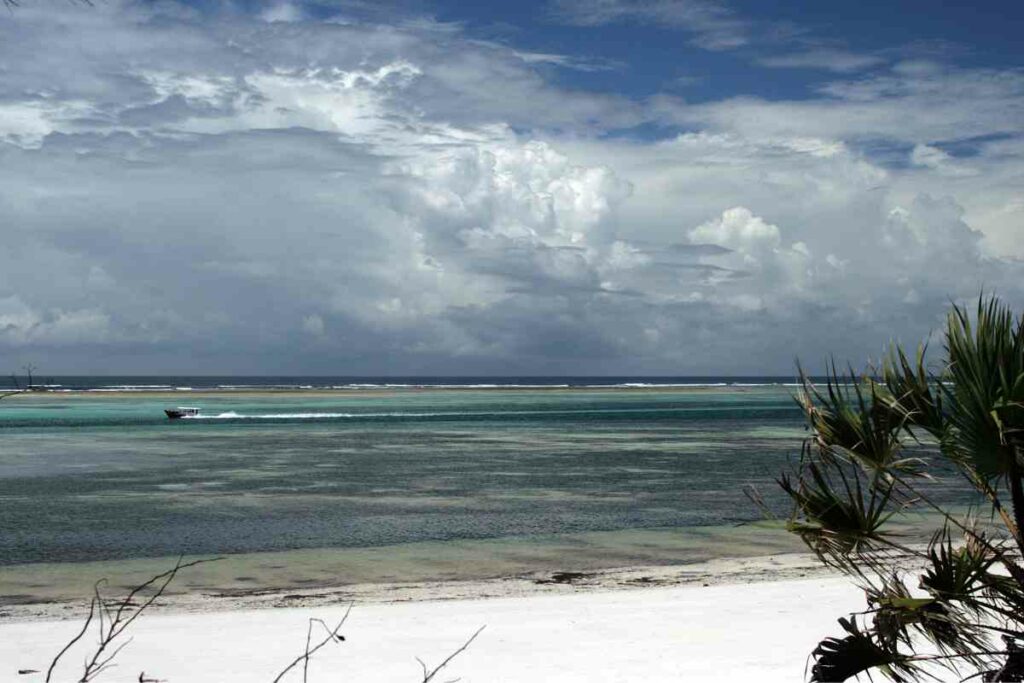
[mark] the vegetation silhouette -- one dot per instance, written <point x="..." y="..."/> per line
<point x="875" y="442"/>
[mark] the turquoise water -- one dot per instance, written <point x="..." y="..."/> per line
<point x="107" y="476"/>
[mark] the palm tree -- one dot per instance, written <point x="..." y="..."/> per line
<point x="875" y="442"/>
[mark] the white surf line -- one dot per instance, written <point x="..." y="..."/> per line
<point x="313" y="416"/>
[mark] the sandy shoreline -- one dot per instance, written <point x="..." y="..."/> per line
<point x="718" y="571"/>
<point x="751" y="619"/>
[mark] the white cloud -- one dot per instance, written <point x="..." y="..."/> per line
<point x="827" y="59"/>
<point x="920" y="105"/>
<point x="757" y="263"/>
<point x="27" y="123"/>
<point x="938" y="160"/>
<point x="714" y="25"/>
<point x="282" y="11"/>
<point x="738" y="229"/>
<point x="359" y="197"/>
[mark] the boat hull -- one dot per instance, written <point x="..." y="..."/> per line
<point x="178" y="413"/>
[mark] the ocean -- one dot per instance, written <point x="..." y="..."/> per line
<point x="93" y="470"/>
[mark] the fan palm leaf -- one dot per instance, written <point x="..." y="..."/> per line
<point x="849" y="419"/>
<point x="839" y="659"/>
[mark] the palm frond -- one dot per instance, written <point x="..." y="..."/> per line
<point x="836" y="514"/>
<point x="839" y="659"/>
<point x="849" y="419"/>
<point x="985" y="390"/>
<point x="957" y="573"/>
<point x="854" y="475"/>
<point x="911" y="391"/>
<point x="898" y="617"/>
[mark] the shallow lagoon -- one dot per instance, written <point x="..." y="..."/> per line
<point x="534" y="475"/>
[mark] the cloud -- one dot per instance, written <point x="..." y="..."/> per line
<point x="739" y="230"/>
<point x="570" y="62"/>
<point x="256" y="194"/>
<point x="910" y="102"/>
<point x="713" y="24"/>
<point x="313" y="325"/>
<point x="827" y="59"/>
<point x="927" y="156"/>
<point x="914" y="114"/>
<point x="283" y="11"/>
<point x="22" y="326"/>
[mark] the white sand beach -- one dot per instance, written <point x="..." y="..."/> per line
<point x="761" y="631"/>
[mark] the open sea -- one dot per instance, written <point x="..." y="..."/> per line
<point x="92" y="470"/>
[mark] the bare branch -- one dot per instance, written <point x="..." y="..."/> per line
<point x="333" y="636"/>
<point x="113" y="622"/>
<point x="85" y="627"/>
<point x="429" y="676"/>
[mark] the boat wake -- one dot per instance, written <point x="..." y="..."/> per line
<point x="232" y="415"/>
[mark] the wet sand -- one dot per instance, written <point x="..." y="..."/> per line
<point x="421" y="570"/>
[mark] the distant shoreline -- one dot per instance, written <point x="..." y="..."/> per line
<point x="383" y="390"/>
<point x="347" y="383"/>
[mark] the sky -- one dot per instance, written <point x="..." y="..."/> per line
<point x="617" y="187"/>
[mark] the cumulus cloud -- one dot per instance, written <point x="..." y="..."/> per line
<point x="276" y="194"/>
<point x="739" y="230"/>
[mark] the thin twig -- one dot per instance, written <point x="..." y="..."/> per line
<point x="305" y="660"/>
<point x="85" y="627"/>
<point x="331" y="637"/>
<point x="112" y="623"/>
<point x="429" y="676"/>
